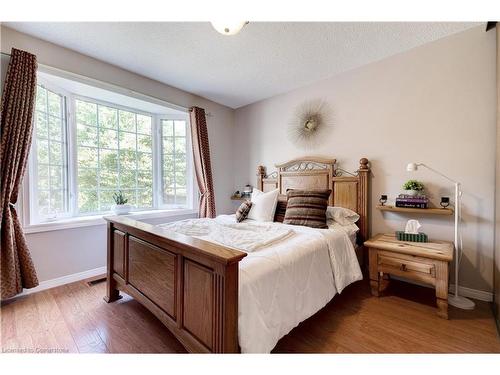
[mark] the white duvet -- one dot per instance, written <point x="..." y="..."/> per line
<point x="289" y="274"/>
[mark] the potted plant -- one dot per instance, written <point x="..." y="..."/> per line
<point x="121" y="207"/>
<point x="413" y="187"/>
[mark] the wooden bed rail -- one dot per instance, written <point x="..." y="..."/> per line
<point x="189" y="284"/>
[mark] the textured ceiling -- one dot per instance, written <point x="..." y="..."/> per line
<point x="263" y="60"/>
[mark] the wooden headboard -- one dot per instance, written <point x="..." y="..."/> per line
<point x="349" y="190"/>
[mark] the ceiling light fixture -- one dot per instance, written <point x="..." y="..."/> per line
<point x="228" y="28"/>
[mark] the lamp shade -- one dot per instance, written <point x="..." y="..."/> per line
<point x="228" y="27"/>
<point x="412" y="167"/>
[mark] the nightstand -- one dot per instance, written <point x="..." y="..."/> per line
<point x="423" y="262"/>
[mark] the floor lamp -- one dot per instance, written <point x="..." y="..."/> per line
<point x="454" y="300"/>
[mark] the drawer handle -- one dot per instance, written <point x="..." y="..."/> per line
<point x="403" y="267"/>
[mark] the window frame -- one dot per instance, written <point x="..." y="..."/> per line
<point x="29" y="193"/>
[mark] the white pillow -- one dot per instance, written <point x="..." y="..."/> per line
<point x="263" y="205"/>
<point x="350" y="229"/>
<point x="341" y="215"/>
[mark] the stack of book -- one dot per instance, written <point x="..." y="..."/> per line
<point x="411" y="201"/>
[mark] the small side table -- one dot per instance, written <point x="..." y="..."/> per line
<point x="424" y="262"/>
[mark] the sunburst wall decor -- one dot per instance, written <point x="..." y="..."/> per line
<point x="311" y="121"/>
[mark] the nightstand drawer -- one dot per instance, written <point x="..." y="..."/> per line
<point x="410" y="267"/>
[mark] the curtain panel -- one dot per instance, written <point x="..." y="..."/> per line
<point x="18" y="100"/>
<point x="202" y="165"/>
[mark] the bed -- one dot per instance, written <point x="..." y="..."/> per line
<point x="215" y="298"/>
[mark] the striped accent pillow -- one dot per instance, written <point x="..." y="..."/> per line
<point x="307" y="208"/>
<point x="243" y="210"/>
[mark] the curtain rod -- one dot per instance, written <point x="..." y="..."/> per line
<point x="175" y="106"/>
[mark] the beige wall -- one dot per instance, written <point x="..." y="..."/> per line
<point x="434" y="104"/>
<point x="70" y="251"/>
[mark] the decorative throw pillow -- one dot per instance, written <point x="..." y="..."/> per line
<point x="243" y="210"/>
<point x="263" y="205"/>
<point x="307" y="208"/>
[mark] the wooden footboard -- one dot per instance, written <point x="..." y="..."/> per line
<point x="189" y="284"/>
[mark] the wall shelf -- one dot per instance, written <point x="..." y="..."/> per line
<point x="432" y="211"/>
<point x="233" y="198"/>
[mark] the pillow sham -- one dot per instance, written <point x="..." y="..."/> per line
<point x="263" y="205"/>
<point x="341" y="215"/>
<point x="307" y="208"/>
<point x="243" y="210"/>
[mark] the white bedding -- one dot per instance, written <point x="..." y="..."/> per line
<point x="246" y="236"/>
<point x="285" y="281"/>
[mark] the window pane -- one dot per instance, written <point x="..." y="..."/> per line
<point x="108" y="138"/>
<point x="109" y="179"/>
<point x="42" y="147"/>
<point x="144" y="124"/>
<point x="87" y="157"/>
<point x="41" y="99"/>
<point x="128" y="160"/>
<point x="56" y="132"/>
<point x="43" y="202"/>
<point x="180" y="160"/>
<point x="56" y="177"/>
<point x="180" y="179"/>
<point x="86" y="113"/>
<point x="168" y="145"/>
<point x="180" y="145"/>
<point x="127" y="121"/>
<point x="87" y="201"/>
<point x="145" y="143"/>
<point x="145" y="198"/>
<point x="145" y="179"/>
<point x="108" y="117"/>
<point x="180" y="196"/>
<point x="42" y="129"/>
<point x="127" y="179"/>
<point x="56" y="153"/>
<point x="108" y="159"/>
<point x="168" y="128"/>
<point x="57" y="201"/>
<point x="55" y="104"/>
<point x="43" y="182"/>
<point x="86" y="135"/>
<point x="169" y="196"/>
<point x="180" y="128"/>
<point x="145" y="160"/>
<point x="128" y="141"/>
<point x="129" y="194"/>
<point x="106" y="201"/>
<point x="87" y="178"/>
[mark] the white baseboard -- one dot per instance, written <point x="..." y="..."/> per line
<point x="48" y="284"/>
<point x="480" y="295"/>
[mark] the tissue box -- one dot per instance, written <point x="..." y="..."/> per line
<point x="402" y="236"/>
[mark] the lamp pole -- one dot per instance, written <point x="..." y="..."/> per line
<point x="455" y="300"/>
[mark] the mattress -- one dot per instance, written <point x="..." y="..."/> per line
<point x="286" y="281"/>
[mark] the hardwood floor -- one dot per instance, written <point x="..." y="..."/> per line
<point x="74" y="318"/>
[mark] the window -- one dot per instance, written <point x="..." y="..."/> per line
<point x="86" y="149"/>
<point x="174" y="166"/>
<point x="50" y="148"/>
<point x="115" y="152"/>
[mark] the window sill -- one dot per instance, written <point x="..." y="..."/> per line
<point x="88" y="221"/>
